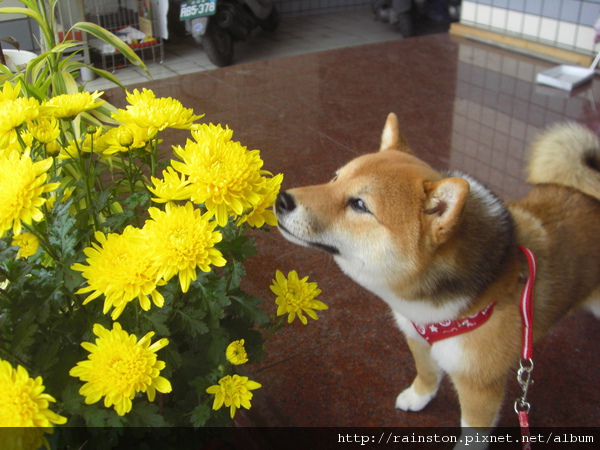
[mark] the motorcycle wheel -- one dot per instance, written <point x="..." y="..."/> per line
<point x="272" y="22"/>
<point x="218" y="45"/>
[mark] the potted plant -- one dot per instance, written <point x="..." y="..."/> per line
<point x="121" y="298"/>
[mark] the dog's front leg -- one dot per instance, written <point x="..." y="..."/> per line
<point x="479" y="405"/>
<point x="426" y="383"/>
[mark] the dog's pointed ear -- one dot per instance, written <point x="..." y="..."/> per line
<point x="392" y="138"/>
<point x="446" y="200"/>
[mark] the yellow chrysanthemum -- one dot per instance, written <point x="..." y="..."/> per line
<point x="295" y="297"/>
<point x="67" y="106"/>
<point x="209" y="132"/>
<point x="15" y="113"/>
<point x="119" y="366"/>
<point x="180" y="240"/>
<point x="121" y="269"/>
<point x="233" y="392"/>
<point x="172" y="187"/>
<point x="260" y="214"/>
<point x="125" y="138"/>
<point x="223" y="174"/>
<point x="26" y="137"/>
<point x="23" y="402"/>
<point x="14" y="146"/>
<point x="156" y="114"/>
<point x="28" y="244"/>
<point x="53" y="148"/>
<point x="21" y="187"/>
<point x="9" y="91"/>
<point x="44" y="129"/>
<point x="93" y="142"/>
<point x="236" y="353"/>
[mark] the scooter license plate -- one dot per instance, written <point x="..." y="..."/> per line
<point x="191" y="9"/>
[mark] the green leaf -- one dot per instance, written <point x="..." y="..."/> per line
<point x="107" y="76"/>
<point x="23" y="337"/>
<point x="237" y="272"/>
<point x="64" y="83"/>
<point x="190" y="320"/>
<point x="25" y="11"/>
<point x="216" y="299"/>
<point x="72" y="400"/>
<point x="63" y="234"/>
<point x="95" y="417"/>
<point x="156" y="319"/>
<point x="110" y="38"/>
<point x="144" y="414"/>
<point x="200" y="415"/>
<point x="248" y="307"/>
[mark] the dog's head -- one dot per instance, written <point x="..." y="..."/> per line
<point x="384" y="211"/>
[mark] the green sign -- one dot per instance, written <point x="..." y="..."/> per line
<point x="197" y="8"/>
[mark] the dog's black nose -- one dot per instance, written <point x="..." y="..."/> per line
<point x="285" y="203"/>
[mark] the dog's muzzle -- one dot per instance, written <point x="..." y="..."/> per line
<point x="286" y="204"/>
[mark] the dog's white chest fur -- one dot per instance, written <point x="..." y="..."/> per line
<point x="419" y="311"/>
<point x="448" y="353"/>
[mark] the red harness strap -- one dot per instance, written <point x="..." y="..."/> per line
<point x="526" y="366"/>
<point x="437" y="331"/>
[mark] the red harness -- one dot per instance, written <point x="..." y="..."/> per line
<point x="437" y="331"/>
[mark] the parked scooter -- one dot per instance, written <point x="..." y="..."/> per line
<point x="217" y="24"/>
<point x="403" y="14"/>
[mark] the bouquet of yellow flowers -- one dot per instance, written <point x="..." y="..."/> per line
<point x="85" y="215"/>
<point x="121" y="272"/>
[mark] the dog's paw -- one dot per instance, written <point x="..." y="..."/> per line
<point x="409" y="400"/>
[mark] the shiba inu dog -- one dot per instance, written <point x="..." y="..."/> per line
<point x="440" y="248"/>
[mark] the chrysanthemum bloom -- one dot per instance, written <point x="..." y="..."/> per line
<point x="28" y="244"/>
<point x="156" y="114"/>
<point x="125" y="138"/>
<point x="121" y="269"/>
<point x="236" y="353"/>
<point x="21" y="187"/>
<point x="119" y="366"/>
<point x="53" y="148"/>
<point x="180" y="240"/>
<point x="15" y="113"/>
<point x="23" y="402"/>
<point x="224" y="175"/>
<point x="93" y="142"/>
<point x="14" y="146"/>
<point x="44" y="129"/>
<point x="260" y="215"/>
<point x="67" y="106"/>
<point x="172" y="187"/>
<point x="209" y="132"/>
<point x="233" y="392"/>
<point x="295" y="297"/>
<point x="9" y="91"/>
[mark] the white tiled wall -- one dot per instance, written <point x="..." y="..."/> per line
<point x="558" y="31"/>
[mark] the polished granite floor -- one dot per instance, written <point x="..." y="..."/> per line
<point x="461" y="105"/>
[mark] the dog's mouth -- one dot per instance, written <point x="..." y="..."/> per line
<point x="292" y="237"/>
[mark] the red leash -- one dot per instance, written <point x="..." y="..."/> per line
<point x="522" y="407"/>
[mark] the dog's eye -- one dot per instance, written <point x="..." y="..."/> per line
<point x="335" y="177"/>
<point x="358" y="205"/>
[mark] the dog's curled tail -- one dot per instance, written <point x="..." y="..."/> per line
<point x="567" y="154"/>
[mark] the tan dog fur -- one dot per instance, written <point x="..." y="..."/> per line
<point x="438" y="246"/>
